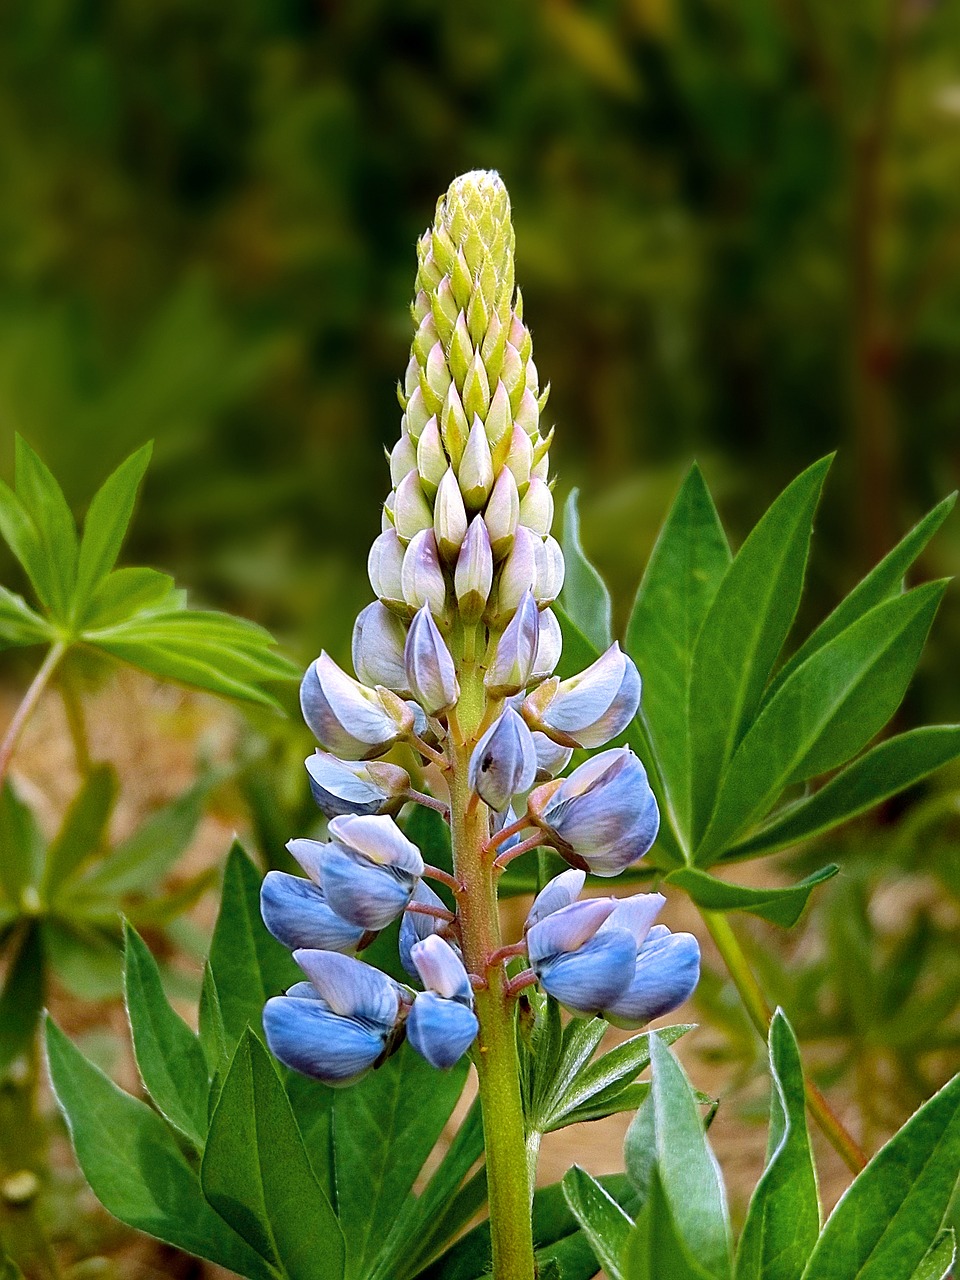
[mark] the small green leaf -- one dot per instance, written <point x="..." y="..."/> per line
<point x="21" y="845"/>
<point x="132" y="1161"/>
<point x="606" y="1226"/>
<point x="107" y="521"/>
<point x="938" y="1260"/>
<point x="19" y="625"/>
<point x="256" y="1173"/>
<point x="882" y="771"/>
<point x="248" y="964"/>
<point x="691" y="1178"/>
<point x="126" y="594"/>
<point x="882" y="582"/>
<point x="8" y="1268"/>
<point x="83" y="829"/>
<point x="211" y="1033"/>
<point x="825" y="712"/>
<point x="784" y="1218"/>
<point x="384" y="1128"/>
<point x="584" y="598"/>
<point x="169" y="1056"/>
<point x="886" y="1222"/>
<point x="43" y="501"/>
<point x="744" y="631"/>
<point x="611" y="1101"/>
<point x="22" y="999"/>
<point x="780" y="906"/>
<point x="578" y="1043"/>
<point x="685" y="569"/>
<point x="655" y="1250"/>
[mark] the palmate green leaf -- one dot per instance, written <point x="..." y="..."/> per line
<point x="939" y="1258"/>
<point x="655" y="1249"/>
<point x="43" y="501"/>
<point x="686" y="566"/>
<point x="584" y="598"/>
<point x="256" y="1173"/>
<point x="743" y="632"/>
<point x="884" y="770"/>
<point x="127" y="593"/>
<point x="782" y="906"/>
<point x="169" y="1057"/>
<point x="21" y="845"/>
<point x="21" y="536"/>
<point x="887" y="1221"/>
<point x="107" y="521"/>
<point x="19" y="625"/>
<point x="824" y="713"/>
<point x="882" y="582"/>
<point x="83" y="829"/>
<point x="783" y="1221"/>
<point x="579" y="1040"/>
<point x="687" y="1168"/>
<point x="131" y="1160"/>
<point x="22" y="998"/>
<point x="605" y="1224"/>
<point x="384" y="1128"/>
<point x="248" y="964"/>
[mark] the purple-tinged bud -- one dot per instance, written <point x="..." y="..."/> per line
<point x="368" y="871"/>
<point x="431" y="672"/>
<point x="415" y="926"/>
<point x="549" y="647"/>
<point x="551" y="757"/>
<point x="550" y="570"/>
<point x="582" y="966"/>
<point x="590" y="708"/>
<point x="476" y="468"/>
<point x="473" y="576"/>
<point x="425" y="338"/>
<point x="536" y="508"/>
<point x="417" y="415"/>
<point x="476" y="389"/>
<point x="527" y="417"/>
<point x="666" y="973"/>
<point x="346" y="717"/>
<point x="436" y="375"/>
<point x="384" y="564"/>
<point x="504" y="761"/>
<point x="603" y="817"/>
<point x="441" y="1026"/>
<point x="502" y="513"/>
<point x="340" y="787"/>
<point x="421" y="575"/>
<point x="297" y="914"/>
<point x="411" y="511"/>
<point x="541" y="468"/>
<point x="516" y="652"/>
<point x="498" y="423"/>
<point x="403" y="459"/>
<point x="379" y="637"/>
<point x="559" y="892"/>
<point x="454" y="427"/>
<point x="520" y="457"/>
<point x="519" y="573"/>
<point x="449" y="517"/>
<point x="431" y="459"/>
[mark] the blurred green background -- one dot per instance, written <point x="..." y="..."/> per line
<point x="738" y="227"/>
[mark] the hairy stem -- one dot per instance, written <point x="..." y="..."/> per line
<point x="27" y="706"/>
<point x="497" y="1061"/>
<point x="755" y="1003"/>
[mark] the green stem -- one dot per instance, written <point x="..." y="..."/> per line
<point x="498" y="1067"/>
<point x="77" y="724"/>
<point x="755" y="1003"/>
<point x="26" y="707"/>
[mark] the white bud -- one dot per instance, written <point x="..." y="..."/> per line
<point x="473" y="576"/>
<point x="431" y="459"/>
<point x="411" y="511"/>
<point x="421" y="575"/>
<point x="549" y="646"/>
<point x="383" y="565"/>
<point x="536" y="507"/>
<point x="550" y="571"/>
<point x="519" y="572"/>
<point x="527" y="416"/>
<point x="498" y="421"/>
<point x="449" y="517"/>
<point x="403" y="459"/>
<point x="379" y="637"/>
<point x="436" y="375"/>
<point x="430" y="669"/>
<point x="520" y="456"/>
<point x="476" y="468"/>
<point x="417" y="414"/>
<point x="502" y="514"/>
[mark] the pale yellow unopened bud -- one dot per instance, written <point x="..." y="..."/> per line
<point x="449" y="517"/>
<point x="502" y="513"/>
<point x="476" y="468"/>
<point x="431" y="459"/>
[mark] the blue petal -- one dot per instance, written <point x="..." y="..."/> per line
<point x="414" y="927"/>
<point x="340" y="789"/>
<point x="297" y="914"/>
<point x="310" y="1039"/>
<point x="351" y="988"/>
<point x="667" y="972"/>
<point x="441" y="1030"/>
<point x="363" y="893"/>
<point x="558" y="892"/>
<point x="592" y="978"/>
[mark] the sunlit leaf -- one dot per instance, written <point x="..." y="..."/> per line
<point x="782" y="906"/>
<point x="107" y="520"/>
<point x="43" y="501"/>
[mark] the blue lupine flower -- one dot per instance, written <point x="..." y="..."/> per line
<point x="337" y="1026"/>
<point x="414" y="926"/>
<point x="297" y="913"/>
<point x="580" y="964"/>
<point x="556" y="893"/>
<point x="431" y="673"/>
<point x="346" y="717"/>
<point x="379" y="636"/>
<point x="516" y="652"/>
<point x="504" y="761"/>
<point x="590" y="708"/>
<point x="343" y="787"/>
<point x="441" y="1026"/>
<point x="667" y="972"/>
<point x="603" y="817"/>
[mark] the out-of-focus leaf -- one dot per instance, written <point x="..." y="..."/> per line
<point x="107" y="520"/>
<point x="19" y="625"/>
<point x="47" y="508"/>
<point x="169" y="1056"/>
<point x="88" y="961"/>
<point x="825" y="712"/>
<point x="132" y="1161"/>
<point x="82" y="831"/>
<point x="782" y="906"/>
<point x="126" y="593"/>
<point x="584" y="598"/>
<point x="605" y="1224"/>
<point x="882" y="771"/>
<point x="384" y="1128"/>
<point x="886" y="1222"/>
<point x="784" y="1218"/>
<point x="166" y="907"/>
<point x="256" y="1173"/>
<point x="21" y="536"/>
<point x="743" y="632"/>
<point x="22" y="998"/>
<point x="8" y="1268"/>
<point x="880" y="583"/>
<point x="685" y="569"/>
<point x="21" y="845"/>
